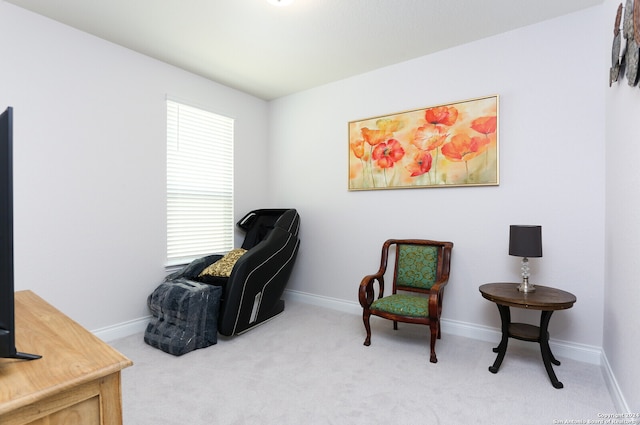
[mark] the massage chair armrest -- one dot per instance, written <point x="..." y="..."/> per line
<point x="194" y="268"/>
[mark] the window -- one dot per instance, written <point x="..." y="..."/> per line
<point x="199" y="183"/>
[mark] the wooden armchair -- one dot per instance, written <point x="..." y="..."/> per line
<point x="420" y="273"/>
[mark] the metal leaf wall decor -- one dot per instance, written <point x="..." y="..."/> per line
<point x="625" y="51"/>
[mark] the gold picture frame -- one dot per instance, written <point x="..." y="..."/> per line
<point x="447" y="145"/>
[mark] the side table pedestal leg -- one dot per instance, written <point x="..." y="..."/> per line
<point x="501" y="349"/>
<point x="547" y="356"/>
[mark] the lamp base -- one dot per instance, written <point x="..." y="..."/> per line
<point x="525" y="286"/>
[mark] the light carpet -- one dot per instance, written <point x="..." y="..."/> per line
<point x="309" y="366"/>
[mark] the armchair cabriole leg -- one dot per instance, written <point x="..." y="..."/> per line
<point x="365" y="318"/>
<point x="434" y="335"/>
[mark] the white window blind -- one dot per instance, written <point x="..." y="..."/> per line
<point x="199" y="183"/>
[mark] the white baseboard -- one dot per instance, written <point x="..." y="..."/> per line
<point x="614" y="389"/>
<point x="121" y="330"/>
<point x="580" y="352"/>
<point x="571" y="350"/>
<point x="322" y="301"/>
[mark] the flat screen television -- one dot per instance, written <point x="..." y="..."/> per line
<point x="7" y="295"/>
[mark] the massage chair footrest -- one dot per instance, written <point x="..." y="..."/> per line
<point x="184" y="316"/>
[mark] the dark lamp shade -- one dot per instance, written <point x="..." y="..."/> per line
<point x="525" y="241"/>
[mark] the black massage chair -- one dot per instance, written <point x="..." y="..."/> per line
<point x="252" y="292"/>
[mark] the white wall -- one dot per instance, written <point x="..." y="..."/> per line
<point x="622" y="300"/>
<point x="549" y="79"/>
<point x="89" y="174"/>
<point x="89" y="164"/>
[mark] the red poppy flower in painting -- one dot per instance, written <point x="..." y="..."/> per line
<point x="421" y="164"/>
<point x="373" y="137"/>
<point x="463" y="148"/>
<point x="485" y="125"/>
<point x="429" y="137"/>
<point x="446" y="115"/>
<point x="386" y="154"/>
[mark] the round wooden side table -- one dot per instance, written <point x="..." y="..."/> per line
<point x="545" y="299"/>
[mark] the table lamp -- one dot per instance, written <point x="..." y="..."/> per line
<point x="525" y="242"/>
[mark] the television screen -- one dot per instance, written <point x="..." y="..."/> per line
<point x="7" y="313"/>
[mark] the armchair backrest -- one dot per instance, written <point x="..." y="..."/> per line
<point x="419" y="264"/>
<point x="416" y="266"/>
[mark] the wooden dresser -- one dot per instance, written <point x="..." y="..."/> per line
<point x="77" y="380"/>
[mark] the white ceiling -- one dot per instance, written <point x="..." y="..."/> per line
<point x="271" y="51"/>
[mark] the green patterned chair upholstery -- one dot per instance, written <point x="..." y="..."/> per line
<point x="421" y="271"/>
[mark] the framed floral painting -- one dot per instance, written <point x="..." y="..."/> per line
<point x="447" y="145"/>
